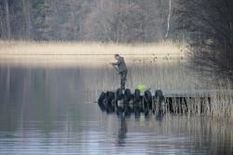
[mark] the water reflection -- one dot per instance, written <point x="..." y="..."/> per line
<point x="122" y="131"/>
<point x="48" y="111"/>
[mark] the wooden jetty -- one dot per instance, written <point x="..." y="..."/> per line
<point x="156" y="102"/>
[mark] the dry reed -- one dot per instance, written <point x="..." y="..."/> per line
<point x="60" y="54"/>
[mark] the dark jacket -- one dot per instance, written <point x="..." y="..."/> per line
<point x="121" y="65"/>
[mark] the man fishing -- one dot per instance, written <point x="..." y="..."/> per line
<point x="121" y="68"/>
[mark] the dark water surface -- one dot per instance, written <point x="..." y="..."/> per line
<point x="49" y="111"/>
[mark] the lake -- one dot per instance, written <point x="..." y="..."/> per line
<point x="52" y="111"/>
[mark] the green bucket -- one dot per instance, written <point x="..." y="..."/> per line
<point x="142" y="87"/>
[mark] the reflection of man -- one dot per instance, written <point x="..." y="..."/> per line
<point x="121" y="68"/>
<point x="122" y="131"/>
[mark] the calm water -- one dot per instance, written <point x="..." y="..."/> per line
<point x="50" y="111"/>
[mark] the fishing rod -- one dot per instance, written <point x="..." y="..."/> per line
<point x="115" y="68"/>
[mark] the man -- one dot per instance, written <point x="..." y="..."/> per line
<point x="121" y="68"/>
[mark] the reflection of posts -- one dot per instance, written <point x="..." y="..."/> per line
<point x="122" y="131"/>
<point x="121" y="68"/>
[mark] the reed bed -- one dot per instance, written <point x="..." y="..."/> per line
<point x="62" y="54"/>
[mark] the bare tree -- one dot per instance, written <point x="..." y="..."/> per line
<point x="27" y="16"/>
<point x="169" y="18"/>
<point x="127" y="21"/>
<point x="2" y="21"/>
<point x="7" y="19"/>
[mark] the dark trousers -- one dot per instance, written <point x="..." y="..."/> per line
<point x="123" y="75"/>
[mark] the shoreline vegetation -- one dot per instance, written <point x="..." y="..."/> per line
<point x="166" y="63"/>
<point x="89" y="54"/>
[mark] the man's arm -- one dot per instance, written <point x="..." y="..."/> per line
<point x="116" y="63"/>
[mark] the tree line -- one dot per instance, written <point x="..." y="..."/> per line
<point x="95" y="20"/>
